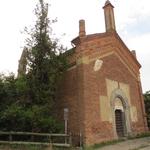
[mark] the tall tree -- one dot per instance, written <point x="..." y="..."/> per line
<point x="147" y="106"/>
<point x="46" y="62"/>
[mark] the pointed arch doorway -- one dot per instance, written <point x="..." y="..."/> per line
<point x="121" y="115"/>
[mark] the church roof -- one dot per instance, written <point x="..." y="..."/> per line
<point x="77" y="41"/>
<point x="110" y="33"/>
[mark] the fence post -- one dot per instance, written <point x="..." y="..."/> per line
<point x="10" y="137"/>
<point x="32" y="138"/>
<point x="50" y="143"/>
<point x="66" y="139"/>
<point x="50" y="147"/>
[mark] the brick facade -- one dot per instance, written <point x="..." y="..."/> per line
<point x="84" y="90"/>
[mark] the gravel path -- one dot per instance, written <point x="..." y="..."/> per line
<point x="136" y="144"/>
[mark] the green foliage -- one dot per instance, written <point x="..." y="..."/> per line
<point x="12" y="118"/>
<point x="2" y="90"/>
<point x="147" y="106"/>
<point x="20" y="114"/>
<point x="27" y="101"/>
<point x="8" y="90"/>
<point x="34" y="119"/>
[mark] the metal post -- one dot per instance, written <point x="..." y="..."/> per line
<point x="66" y="126"/>
<point x="66" y="111"/>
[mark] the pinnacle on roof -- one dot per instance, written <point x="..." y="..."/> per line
<point x="108" y="3"/>
<point x="109" y="17"/>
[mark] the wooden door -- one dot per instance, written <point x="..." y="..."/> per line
<point x="119" y="122"/>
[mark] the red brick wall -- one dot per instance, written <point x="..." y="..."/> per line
<point x="82" y="87"/>
<point x="95" y="82"/>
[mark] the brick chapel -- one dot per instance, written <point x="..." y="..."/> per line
<point x="102" y="88"/>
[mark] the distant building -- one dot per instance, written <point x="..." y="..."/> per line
<point x="22" y="63"/>
<point x="102" y="87"/>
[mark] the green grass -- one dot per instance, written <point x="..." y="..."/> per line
<point x="96" y="146"/>
<point x="28" y="147"/>
<point x="146" y="134"/>
<point x="141" y="135"/>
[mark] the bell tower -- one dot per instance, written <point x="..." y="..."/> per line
<point x="109" y="17"/>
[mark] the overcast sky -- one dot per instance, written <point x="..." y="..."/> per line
<point x="132" y="23"/>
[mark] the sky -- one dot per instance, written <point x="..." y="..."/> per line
<point x="132" y="19"/>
